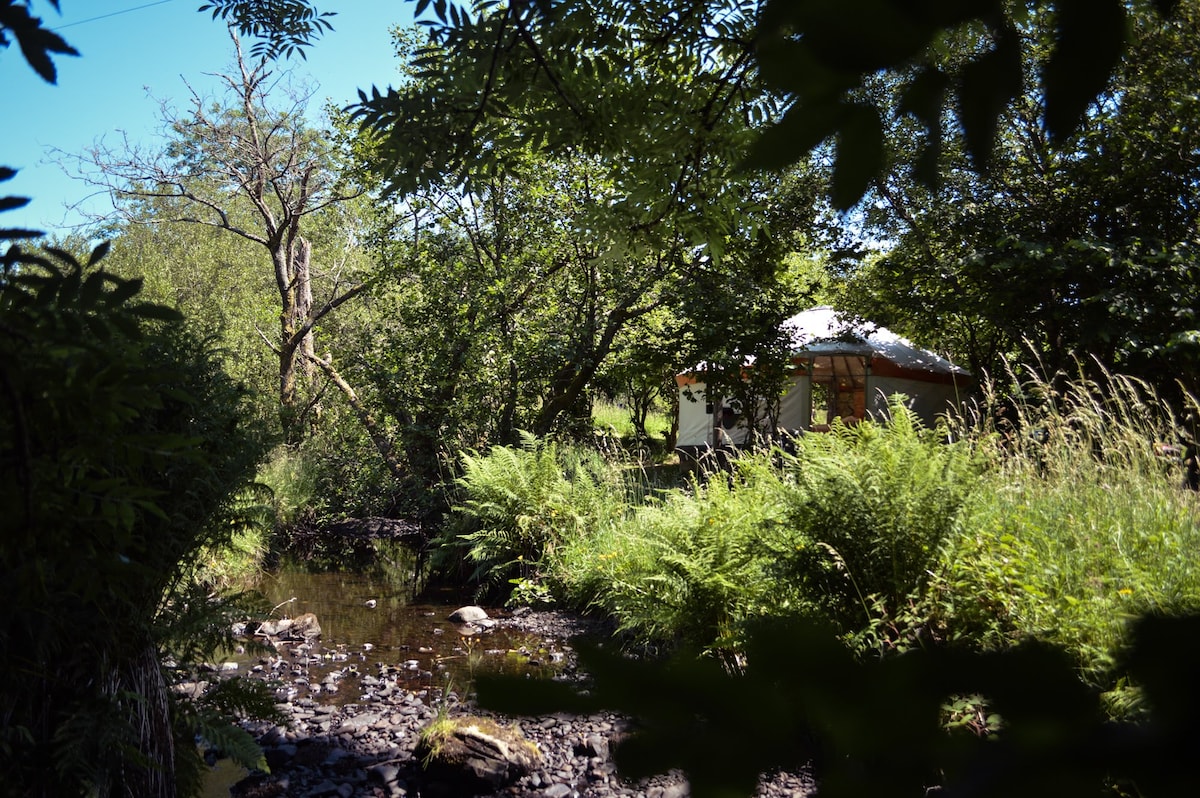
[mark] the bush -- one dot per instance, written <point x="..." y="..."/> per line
<point x="866" y="510"/>
<point x="520" y="503"/>
<point x="121" y="452"/>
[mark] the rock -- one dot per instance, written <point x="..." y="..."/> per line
<point x="471" y="614"/>
<point x="384" y="774"/>
<point x="593" y="745"/>
<point x="274" y="628"/>
<point x="305" y="626"/>
<point x="475" y="755"/>
<point x="326" y="787"/>
<point x="277" y="758"/>
<point x="359" y="722"/>
<point x="302" y="627"/>
<point x="557" y="791"/>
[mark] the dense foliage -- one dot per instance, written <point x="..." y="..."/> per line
<point x="1056" y="525"/>
<point x="123" y="453"/>
<point x="1084" y="246"/>
<point x="564" y="217"/>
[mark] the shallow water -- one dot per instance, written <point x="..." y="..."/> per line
<point x="410" y="640"/>
<point x="401" y="638"/>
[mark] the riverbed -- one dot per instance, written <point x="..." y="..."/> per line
<point x="371" y="624"/>
<point x="379" y="635"/>
<point x="388" y="663"/>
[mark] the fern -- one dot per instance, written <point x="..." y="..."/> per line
<point x="867" y="510"/>
<point x="521" y="503"/>
<point x="231" y="741"/>
<point x="689" y="570"/>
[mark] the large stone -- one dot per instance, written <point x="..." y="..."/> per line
<point x="471" y="614"/>
<point x="474" y="755"/>
<point x="302" y="627"/>
<point x="305" y="626"/>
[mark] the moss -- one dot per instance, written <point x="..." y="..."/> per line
<point x="435" y="737"/>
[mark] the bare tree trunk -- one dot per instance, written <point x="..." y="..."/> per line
<point x="302" y="282"/>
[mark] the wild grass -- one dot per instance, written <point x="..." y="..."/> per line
<point x="1059" y="520"/>
<point x="1080" y="525"/>
<point x="611" y="417"/>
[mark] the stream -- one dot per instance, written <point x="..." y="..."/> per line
<point x="373" y="625"/>
<point x="370" y="623"/>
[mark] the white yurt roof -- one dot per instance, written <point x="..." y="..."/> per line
<point x="823" y="331"/>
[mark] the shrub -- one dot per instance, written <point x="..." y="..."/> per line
<point x="122" y="449"/>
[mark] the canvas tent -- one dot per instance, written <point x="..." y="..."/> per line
<point x="840" y="369"/>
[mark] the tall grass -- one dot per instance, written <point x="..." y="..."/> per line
<point x="1079" y="525"/>
<point x="612" y="418"/>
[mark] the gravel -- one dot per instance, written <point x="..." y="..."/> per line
<point x="366" y="748"/>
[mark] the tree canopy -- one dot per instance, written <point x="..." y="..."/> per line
<point x="1085" y="248"/>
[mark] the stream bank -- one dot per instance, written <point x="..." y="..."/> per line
<point x="363" y="747"/>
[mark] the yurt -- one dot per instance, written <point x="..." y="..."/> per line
<point x="841" y="369"/>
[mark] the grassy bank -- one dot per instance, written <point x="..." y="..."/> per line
<point x="1057" y="520"/>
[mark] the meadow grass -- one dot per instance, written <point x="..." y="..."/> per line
<point x="1079" y="526"/>
<point x="1059" y="521"/>
<point x="613" y="418"/>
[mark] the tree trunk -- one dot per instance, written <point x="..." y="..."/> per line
<point x="296" y="355"/>
<point x="382" y="443"/>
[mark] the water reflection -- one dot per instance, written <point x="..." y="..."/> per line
<point x="376" y="638"/>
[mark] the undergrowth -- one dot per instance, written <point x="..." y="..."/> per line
<point x="1059" y="519"/>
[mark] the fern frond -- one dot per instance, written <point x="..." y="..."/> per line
<point x="231" y="741"/>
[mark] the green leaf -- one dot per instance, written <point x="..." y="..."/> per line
<point x="1090" y="38"/>
<point x="149" y="310"/>
<point x="124" y="290"/>
<point x="860" y="155"/>
<point x="14" y="233"/>
<point x="93" y="289"/>
<point x="99" y="252"/>
<point x="11" y="203"/>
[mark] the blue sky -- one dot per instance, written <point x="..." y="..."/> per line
<point x="135" y="53"/>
